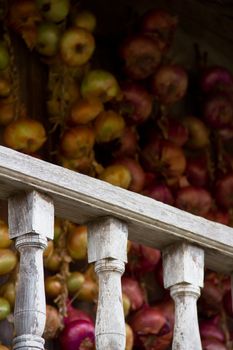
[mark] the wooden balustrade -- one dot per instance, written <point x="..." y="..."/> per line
<point x="33" y="188"/>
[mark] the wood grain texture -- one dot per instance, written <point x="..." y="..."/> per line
<point x="31" y="212"/>
<point x="107" y="238"/>
<point x="183" y="273"/>
<point x="31" y="221"/>
<point x="81" y="199"/>
<point x="107" y="247"/>
<point x="110" y="320"/>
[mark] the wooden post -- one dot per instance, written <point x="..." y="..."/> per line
<point x="31" y="222"/>
<point x="107" y="247"/>
<point x="183" y="273"/>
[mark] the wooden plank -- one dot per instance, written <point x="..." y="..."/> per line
<point x="80" y="199"/>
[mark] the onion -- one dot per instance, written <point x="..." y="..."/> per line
<point x="132" y="289"/>
<point x="212" y="294"/>
<point x="127" y="144"/>
<point x="117" y="175"/>
<point x="216" y="78"/>
<point x="129" y="337"/>
<point x="164" y="157"/>
<point x="197" y="171"/>
<point x="224" y="191"/>
<point x="227" y="303"/>
<point x="152" y="328"/>
<point x="212" y="344"/>
<point x="141" y="56"/>
<point x="198" y="133"/>
<point x="142" y="259"/>
<point x="174" y="131"/>
<point x="211" y="329"/>
<point x="74" y="314"/>
<point x="160" y="192"/>
<point x="217" y="215"/>
<point x="195" y="200"/>
<point x="218" y="111"/>
<point x="53" y="322"/>
<point x="136" y="104"/>
<point x="160" y="26"/>
<point x="136" y="171"/>
<point x="78" y="335"/>
<point x="170" y="83"/>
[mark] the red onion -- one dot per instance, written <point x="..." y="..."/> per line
<point x="174" y="131"/>
<point x="169" y="84"/>
<point x="212" y="294"/>
<point x="132" y="289"/>
<point x="197" y="171"/>
<point x="216" y="78"/>
<point x="212" y="344"/>
<point x="127" y="144"/>
<point x="164" y="157"/>
<point x="141" y="55"/>
<point x="74" y="314"/>
<point x="210" y="329"/>
<point x="227" y="303"/>
<point x="151" y="254"/>
<point x="142" y="259"/>
<point x="221" y="216"/>
<point x="195" y="200"/>
<point x="136" y="171"/>
<point x="218" y="111"/>
<point x="224" y="191"/>
<point x="159" y="25"/>
<point x="152" y="329"/>
<point x="136" y="104"/>
<point x="78" y="335"/>
<point x="160" y="192"/>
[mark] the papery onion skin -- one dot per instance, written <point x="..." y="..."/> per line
<point x="136" y="104"/>
<point x="160" y="26"/>
<point x="195" y="200"/>
<point x="216" y="78"/>
<point x="224" y="191"/>
<point x="141" y="56"/>
<point x="132" y="289"/>
<point x="218" y="111"/>
<point x="78" y="335"/>
<point x="212" y="344"/>
<point x="159" y="192"/>
<point x="169" y="84"/>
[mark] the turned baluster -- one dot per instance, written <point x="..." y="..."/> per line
<point x="31" y="223"/>
<point x="107" y="247"/>
<point x="183" y="266"/>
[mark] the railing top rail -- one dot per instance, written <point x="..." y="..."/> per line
<point x="80" y="198"/>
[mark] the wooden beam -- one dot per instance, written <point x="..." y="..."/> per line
<point x="81" y="199"/>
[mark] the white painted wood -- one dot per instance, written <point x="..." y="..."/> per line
<point x="30" y="211"/>
<point x="184" y="274"/>
<point x="107" y="247"/>
<point x="31" y="215"/>
<point x="108" y="241"/>
<point x="80" y="199"/>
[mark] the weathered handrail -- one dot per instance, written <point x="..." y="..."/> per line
<point x="81" y="199"/>
<point x="110" y="212"/>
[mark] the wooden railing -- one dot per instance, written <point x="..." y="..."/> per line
<point x="37" y="190"/>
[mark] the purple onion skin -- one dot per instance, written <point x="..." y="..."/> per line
<point x="209" y="329"/>
<point x="216" y="78"/>
<point x="218" y="111"/>
<point x="212" y="344"/>
<point x="78" y="335"/>
<point x="160" y="193"/>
